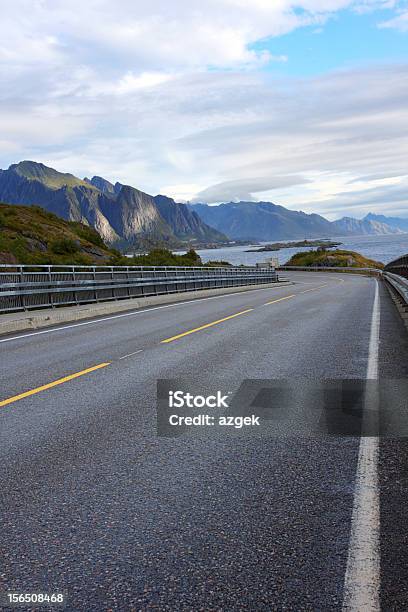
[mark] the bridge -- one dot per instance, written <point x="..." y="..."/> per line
<point x="95" y="504"/>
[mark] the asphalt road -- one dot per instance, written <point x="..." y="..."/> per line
<point x="95" y="504"/>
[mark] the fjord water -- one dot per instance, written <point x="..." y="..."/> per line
<point x="383" y="248"/>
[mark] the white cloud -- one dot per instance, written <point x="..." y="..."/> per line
<point x="130" y="82"/>
<point x="246" y="189"/>
<point x="171" y="97"/>
<point x="386" y="198"/>
<point x="155" y="34"/>
<point x="400" y="22"/>
<point x="368" y="6"/>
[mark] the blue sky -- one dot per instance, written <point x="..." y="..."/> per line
<point x="303" y="102"/>
<point x="346" y="40"/>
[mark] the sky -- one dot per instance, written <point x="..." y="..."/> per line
<point x="301" y="103"/>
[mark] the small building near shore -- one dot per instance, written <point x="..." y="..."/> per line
<point x="271" y="262"/>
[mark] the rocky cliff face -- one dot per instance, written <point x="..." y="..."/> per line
<point x="100" y="183"/>
<point x="121" y="214"/>
<point x="186" y="223"/>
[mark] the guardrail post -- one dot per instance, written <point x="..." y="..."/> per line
<point x="23" y="301"/>
<point x="94" y="284"/>
<point x="74" y="285"/>
<point x="127" y="281"/>
<point x="50" y="298"/>
<point x="113" y="282"/>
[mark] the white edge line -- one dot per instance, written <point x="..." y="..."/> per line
<point x="141" y="310"/>
<point x="372" y="366"/>
<point x="362" y="578"/>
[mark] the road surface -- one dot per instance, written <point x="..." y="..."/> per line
<point x="96" y="505"/>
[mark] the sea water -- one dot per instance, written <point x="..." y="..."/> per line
<point x="383" y="248"/>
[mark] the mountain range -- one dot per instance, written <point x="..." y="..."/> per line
<point x="395" y="222"/>
<point x="127" y="217"/>
<point x="268" y="221"/>
<point x="123" y="215"/>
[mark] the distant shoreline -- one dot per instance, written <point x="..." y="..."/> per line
<point x="325" y="243"/>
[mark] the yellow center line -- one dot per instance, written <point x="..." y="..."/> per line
<point x="60" y="381"/>
<point x="287" y="297"/>
<point x="192" y="331"/>
<point x="314" y="288"/>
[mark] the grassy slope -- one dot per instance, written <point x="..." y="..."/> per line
<point x="31" y="235"/>
<point x="335" y="258"/>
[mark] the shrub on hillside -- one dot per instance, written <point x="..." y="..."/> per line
<point x="63" y="246"/>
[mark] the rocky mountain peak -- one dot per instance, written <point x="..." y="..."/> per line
<point x="122" y="214"/>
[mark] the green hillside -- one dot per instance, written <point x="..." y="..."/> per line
<point x="336" y="258"/>
<point x="31" y="235"/>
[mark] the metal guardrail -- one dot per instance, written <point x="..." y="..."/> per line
<point x="396" y="275"/>
<point x="399" y="283"/>
<point x="329" y="269"/>
<point x="398" y="288"/>
<point x="398" y="266"/>
<point x="25" y="287"/>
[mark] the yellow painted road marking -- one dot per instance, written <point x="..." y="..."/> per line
<point x="314" y="288"/>
<point x="280" y="299"/>
<point x="15" y="398"/>
<point x="192" y="331"/>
